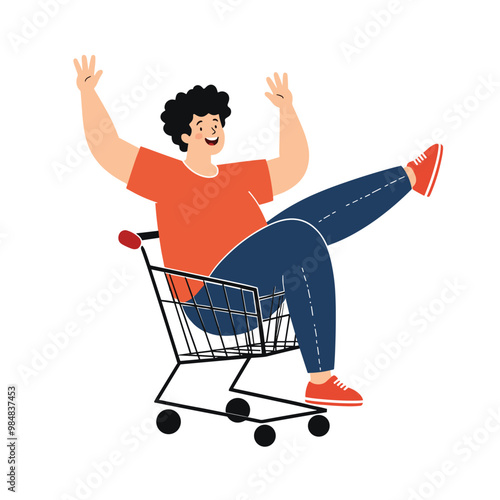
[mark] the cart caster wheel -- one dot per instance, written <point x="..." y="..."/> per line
<point x="168" y="421"/>
<point x="264" y="435"/>
<point x="319" y="425"/>
<point x="239" y="408"/>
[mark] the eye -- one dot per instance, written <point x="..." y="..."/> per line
<point x="215" y="126"/>
<point x="201" y="129"/>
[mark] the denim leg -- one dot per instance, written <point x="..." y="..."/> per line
<point x="274" y="258"/>
<point x="342" y="210"/>
<point x="292" y="252"/>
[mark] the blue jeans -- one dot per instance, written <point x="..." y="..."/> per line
<point x="291" y="254"/>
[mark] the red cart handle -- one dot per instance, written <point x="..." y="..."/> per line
<point x="130" y="240"/>
<point x="133" y="240"/>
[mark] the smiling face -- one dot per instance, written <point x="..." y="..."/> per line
<point x="207" y="135"/>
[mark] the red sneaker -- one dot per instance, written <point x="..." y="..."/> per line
<point x="426" y="168"/>
<point x="332" y="392"/>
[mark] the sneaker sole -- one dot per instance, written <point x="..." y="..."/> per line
<point x="435" y="171"/>
<point x="333" y="402"/>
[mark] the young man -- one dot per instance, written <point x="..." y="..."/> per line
<point x="227" y="236"/>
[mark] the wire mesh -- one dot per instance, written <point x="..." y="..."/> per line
<point x="220" y="319"/>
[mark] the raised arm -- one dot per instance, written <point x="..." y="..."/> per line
<point x="113" y="154"/>
<point x="291" y="165"/>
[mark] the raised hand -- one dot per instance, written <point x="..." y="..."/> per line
<point x="87" y="78"/>
<point x="280" y="96"/>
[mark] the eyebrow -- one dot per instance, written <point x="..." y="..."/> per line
<point x="215" y="120"/>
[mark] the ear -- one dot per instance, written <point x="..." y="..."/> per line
<point x="185" y="138"/>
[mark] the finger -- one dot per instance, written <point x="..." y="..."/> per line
<point x="285" y="80"/>
<point x="277" y="79"/>
<point x="85" y="64"/>
<point x="97" y="76"/>
<point x="271" y="97"/>
<point x="92" y="65"/>
<point x="271" y="85"/>
<point x="77" y="66"/>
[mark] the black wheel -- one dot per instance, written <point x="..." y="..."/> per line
<point x="319" y="425"/>
<point x="239" y="408"/>
<point x="168" y="421"/>
<point x="264" y="435"/>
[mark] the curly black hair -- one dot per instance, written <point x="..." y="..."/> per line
<point x="199" y="101"/>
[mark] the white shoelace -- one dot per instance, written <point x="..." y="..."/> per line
<point x="341" y="385"/>
<point x="420" y="159"/>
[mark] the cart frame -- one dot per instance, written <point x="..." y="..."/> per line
<point x="265" y="345"/>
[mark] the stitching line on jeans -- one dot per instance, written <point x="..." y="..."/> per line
<point x="366" y="196"/>
<point x="312" y="315"/>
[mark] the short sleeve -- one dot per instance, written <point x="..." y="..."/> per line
<point x="257" y="179"/>
<point x="150" y="174"/>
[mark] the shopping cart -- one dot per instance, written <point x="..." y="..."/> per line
<point x="198" y="332"/>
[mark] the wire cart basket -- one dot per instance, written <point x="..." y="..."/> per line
<point x="233" y="322"/>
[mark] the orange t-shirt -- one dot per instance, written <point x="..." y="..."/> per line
<point x="200" y="219"/>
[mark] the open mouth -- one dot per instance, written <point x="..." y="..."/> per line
<point x="211" y="141"/>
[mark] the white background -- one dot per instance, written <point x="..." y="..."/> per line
<point x="361" y="114"/>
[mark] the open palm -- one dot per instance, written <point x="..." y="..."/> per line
<point x="87" y="77"/>
<point x="280" y="96"/>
